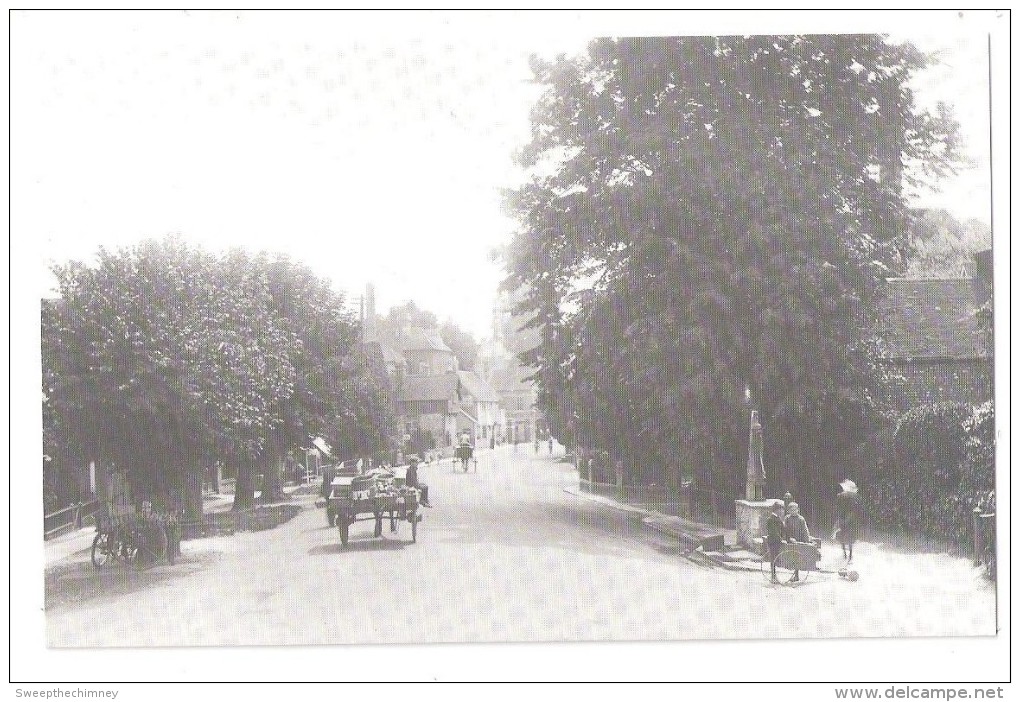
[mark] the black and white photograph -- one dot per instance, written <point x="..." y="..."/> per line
<point x="418" y="328"/>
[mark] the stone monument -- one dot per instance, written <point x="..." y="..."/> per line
<point x="755" y="461"/>
<point x="752" y="511"/>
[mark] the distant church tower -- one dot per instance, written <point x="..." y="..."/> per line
<point x="369" y="322"/>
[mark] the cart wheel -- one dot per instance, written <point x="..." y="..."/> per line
<point x="787" y="564"/>
<point x="102" y="549"/>
<point x="152" y="546"/>
<point x="414" y="528"/>
<point x="344" y="526"/>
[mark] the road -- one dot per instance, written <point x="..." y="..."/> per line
<point x="505" y="555"/>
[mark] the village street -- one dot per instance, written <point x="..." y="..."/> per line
<point x="505" y="555"/>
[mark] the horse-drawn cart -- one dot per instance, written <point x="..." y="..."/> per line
<point x="376" y="496"/>
<point x="465" y="454"/>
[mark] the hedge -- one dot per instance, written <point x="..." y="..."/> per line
<point x="927" y="471"/>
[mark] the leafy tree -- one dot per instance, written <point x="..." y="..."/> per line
<point x="402" y="317"/>
<point x="462" y="343"/>
<point x="705" y="232"/>
<point x="162" y="357"/>
<point x="159" y="358"/>
<point x="941" y="246"/>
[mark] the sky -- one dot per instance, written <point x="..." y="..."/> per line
<point x="372" y="149"/>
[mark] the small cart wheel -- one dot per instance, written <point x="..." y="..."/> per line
<point x="791" y="567"/>
<point x="344" y="526"/>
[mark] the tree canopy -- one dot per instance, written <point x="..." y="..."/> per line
<point x="401" y="317"/>
<point x="161" y="357"/>
<point x="706" y="230"/>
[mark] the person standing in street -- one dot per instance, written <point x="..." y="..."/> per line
<point x="848" y="518"/>
<point x="550" y="445"/>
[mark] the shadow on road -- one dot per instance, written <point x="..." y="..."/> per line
<point x="361" y="545"/>
<point x="580" y="528"/>
<point x="76" y="583"/>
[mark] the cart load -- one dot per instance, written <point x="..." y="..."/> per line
<point x="375" y="495"/>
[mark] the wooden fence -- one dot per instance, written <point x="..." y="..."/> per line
<point x="70" y="518"/>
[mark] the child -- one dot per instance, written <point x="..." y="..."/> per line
<point x="796" y="529"/>
<point x="774" y="534"/>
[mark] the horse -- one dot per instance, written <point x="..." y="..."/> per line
<point x="464" y="452"/>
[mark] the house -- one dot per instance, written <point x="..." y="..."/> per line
<point x="500" y="365"/>
<point x="437" y="409"/>
<point x="937" y="345"/>
<point x="426" y="353"/>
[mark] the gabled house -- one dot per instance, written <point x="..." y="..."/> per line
<point x="936" y="343"/>
<point x="445" y="407"/>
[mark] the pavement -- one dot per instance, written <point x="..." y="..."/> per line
<point x="74" y="543"/>
<point x="687" y="534"/>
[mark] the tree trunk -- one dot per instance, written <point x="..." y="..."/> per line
<point x="193" y="505"/>
<point x="272" y="488"/>
<point x="244" y="488"/>
<point x="215" y="475"/>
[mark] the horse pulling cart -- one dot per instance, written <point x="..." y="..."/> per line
<point x="465" y="454"/>
<point x="373" y="497"/>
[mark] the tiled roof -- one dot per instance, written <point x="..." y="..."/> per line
<point x="931" y="319"/>
<point x="422" y="388"/>
<point x="477" y="388"/>
<point x="418" y="339"/>
<point x="391" y="355"/>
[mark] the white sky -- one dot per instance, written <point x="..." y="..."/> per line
<point x="372" y="149"/>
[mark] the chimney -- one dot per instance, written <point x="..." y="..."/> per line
<point x="983" y="276"/>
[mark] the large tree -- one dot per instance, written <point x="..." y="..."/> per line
<point x="706" y="230"/>
<point x="162" y="358"/>
<point x="159" y="357"/>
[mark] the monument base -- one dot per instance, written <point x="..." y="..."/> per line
<point x="750" y="517"/>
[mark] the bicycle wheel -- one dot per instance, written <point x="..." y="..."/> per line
<point x="102" y="550"/>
